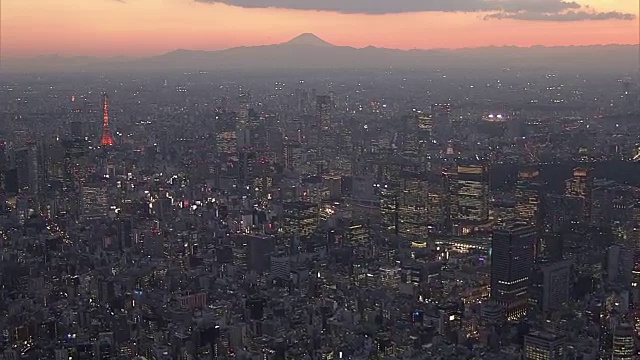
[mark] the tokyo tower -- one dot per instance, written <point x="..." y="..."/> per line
<point x="107" y="139"/>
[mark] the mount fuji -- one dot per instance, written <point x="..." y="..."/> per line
<point x="309" y="52"/>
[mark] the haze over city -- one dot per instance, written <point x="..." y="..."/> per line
<point x="319" y="180"/>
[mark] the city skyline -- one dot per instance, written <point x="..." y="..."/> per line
<point x="141" y="27"/>
<point x="317" y="199"/>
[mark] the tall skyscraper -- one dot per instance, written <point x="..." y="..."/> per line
<point x="323" y="109"/>
<point x="412" y="208"/>
<point x="94" y="202"/>
<point x="437" y="201"/>
<point x="243" y="111"/>
<point x="528" y="194"/>
<point x="299" y="218"/>
<point x="389" y="210"/>
<point x="293" y="155"/>
<point x="580" y="187"/>
<point x="470" y="195"/>
<point x="544" y="346"/>
<point x="623" y="342"/>
<point x="246" y="167"/>
<point x="550" y="248"/>
<point x="425" y="122"/>
<point x="556" y="283"/>
<point x="107" y="138"/>
<point x="511" y="267"/>
<point x="442" y="128"/>
<point x="280" y="266"/>
<point x="425" y="132"/>
<point x="357" y="232"/>
<point x="26" y="164"/>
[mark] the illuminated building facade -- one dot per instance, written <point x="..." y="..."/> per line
<point x="94" y="202"/>
<point x="425" y="122"/>
<point x="357" y="232"/>
<point x="511" y="267"/>
<point x="470" y="195"/>
<point x="389" y="210"/>
<point x="580" y="187"/>
<point x="437" y="205"/>
<point x="412" y="208"/>
<point x="544" y="346"/>
<point x="226" y="142"/>
<point x="299" y="218"/>
<point x="623" y="342"/>
<point x="528" y="197"/>
<point x="636" y="153"/>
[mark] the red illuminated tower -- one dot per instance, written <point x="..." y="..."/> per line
<point x="107" y="139"/>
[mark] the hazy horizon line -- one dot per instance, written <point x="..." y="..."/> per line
<point x="133" y="57"/>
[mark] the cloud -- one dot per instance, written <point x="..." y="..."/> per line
<point x="564" y="16"/>
<point x="405" y="6"/>
<point x="550" y="10"/>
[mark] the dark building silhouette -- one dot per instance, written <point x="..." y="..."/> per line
<point x="511" y="267"/>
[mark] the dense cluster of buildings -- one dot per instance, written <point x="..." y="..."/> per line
<point x="177" y="222"/>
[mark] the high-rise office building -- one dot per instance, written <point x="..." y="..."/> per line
<point x="243" y="137"/>
<point x="550" y="248"/>
<point x="389" y="210"/>
<point x="243" y="111"/>
<point x="623" y="342"/>
<point x="579" y="187"/>
<point x="243" y="130"/>
<point x="3" y="156"/>
<point x="94" y="202"/>
<point x="601" y="205"/>
<point x="300" y="218"/>
<point x="357" y="232"/>
<point x="528" y="197"/>
<point x="442" y="128"/>
<point x="412" y="208"/>
<point x="635" y="238"/>
<point x="293" y="155"/>
<point x="540" y="345"/>
<point x="26" y="164"/>
<point x="470" y="195"/>
<point x="246" y="167"/>
<point x="425" y="122"/>
<point x="259" y="249"/>
<point x="556" y="283"/>
<point x="125" y="233"/>
<point x="437" y="205"/>
<point x="323" y="110"/>
<point x="280" y="266"/>
<point x="511" y="267"/>
<point x="619" y="264"/>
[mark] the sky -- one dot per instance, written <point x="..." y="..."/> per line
<point x="150" y="27"/>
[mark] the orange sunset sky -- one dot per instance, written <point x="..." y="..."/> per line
<point x="148" y="27"/>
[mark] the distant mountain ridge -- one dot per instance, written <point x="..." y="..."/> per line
<point x="307" y="51"/>
<point x="308" y="39"/>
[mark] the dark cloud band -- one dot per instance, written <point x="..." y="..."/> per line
<point x="566" y="16"/>
<point x="541" y="10"/>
